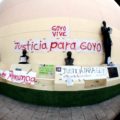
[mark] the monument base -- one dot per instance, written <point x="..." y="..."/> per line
<point x="57" y="92"/>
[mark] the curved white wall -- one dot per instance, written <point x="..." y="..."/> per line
<point x="12" y="11"/>
<point x="25" y="19"/>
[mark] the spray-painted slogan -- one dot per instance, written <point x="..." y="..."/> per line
<point x="59" y="31"/>
<point x="46" y="45"/>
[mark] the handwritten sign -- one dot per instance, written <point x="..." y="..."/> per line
<point x="19" y="76"/>
<point x="58" y="45"/>
<point x="81" y="73"/>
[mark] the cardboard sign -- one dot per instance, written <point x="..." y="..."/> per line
<point x="19" y="76"/>
<point x="95" y="83"/>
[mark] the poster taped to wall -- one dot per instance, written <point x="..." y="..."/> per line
<point x="46" y="71"/>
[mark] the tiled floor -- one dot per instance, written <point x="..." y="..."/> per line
<point x="14" y="110"/>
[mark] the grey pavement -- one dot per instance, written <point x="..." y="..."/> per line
<point x="14" y="110"/>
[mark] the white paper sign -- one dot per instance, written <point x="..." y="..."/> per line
<point x="81" y="73"/>
<point x="19" y="76"/>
